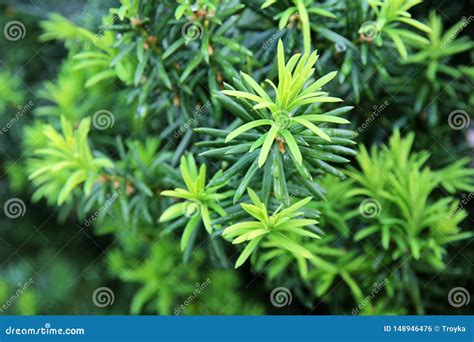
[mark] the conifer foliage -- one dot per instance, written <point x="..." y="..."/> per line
<point x="237" y="139"/>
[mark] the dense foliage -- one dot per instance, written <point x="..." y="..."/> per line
<point x="200" y="157"/>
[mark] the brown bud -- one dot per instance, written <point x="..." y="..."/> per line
<point x="364" y="38"/>
<point x="281" y="145"/>
<point x="176" y="101"/>
<point x="129" y="189"/>
<point x="210" y="50"/>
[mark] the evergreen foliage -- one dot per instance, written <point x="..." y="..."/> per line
<point x="206" y="142"/>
